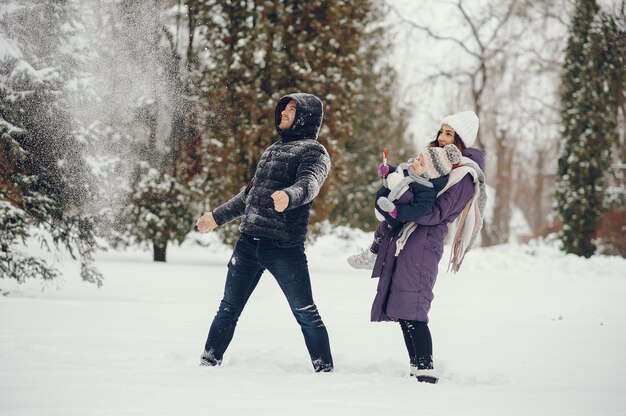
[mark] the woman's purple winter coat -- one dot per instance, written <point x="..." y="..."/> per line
<point x="405" y="288"/>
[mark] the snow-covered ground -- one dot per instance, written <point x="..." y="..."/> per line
<point x="521" y="330"/>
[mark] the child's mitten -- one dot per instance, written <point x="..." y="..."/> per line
<point x="385" y="204"/>
<point x="383" y="170"/>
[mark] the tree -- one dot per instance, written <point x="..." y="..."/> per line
<point x="45" y="181"/>
<point x="139" y="69"/>
<point x="380" y="121"/>
<point x="504" y="59"/>
<point x="158" y="210"/>
<point x="485" y="41"/>
<point x="591" y="85"/>
<point x="259" y="51"/>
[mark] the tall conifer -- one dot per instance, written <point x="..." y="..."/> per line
<point x="589" y="115"/>
<point x="45" y="182"/>
<point x="256" y="52"/>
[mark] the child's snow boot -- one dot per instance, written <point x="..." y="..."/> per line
<point x="364" y="260"/>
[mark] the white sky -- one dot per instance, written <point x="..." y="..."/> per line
<point x="415" y="55"/>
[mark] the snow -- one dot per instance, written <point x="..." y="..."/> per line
<point x="9" y="48"/>
<point x="519" y="330"/>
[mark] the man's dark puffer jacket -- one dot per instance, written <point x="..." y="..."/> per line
<point x="297" y="164"/>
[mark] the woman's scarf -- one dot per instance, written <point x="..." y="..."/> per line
<point x="469" y="223"/>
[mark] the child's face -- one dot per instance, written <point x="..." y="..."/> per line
<point x="418" y="165"/>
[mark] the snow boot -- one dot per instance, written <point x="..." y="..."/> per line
<point x="424" y="375"/>
<point x="364" y="260"/>
<point x="423" y="369"/>
<point x="208" y="359"/>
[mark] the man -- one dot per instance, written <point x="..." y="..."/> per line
<point x="275" y="208"/>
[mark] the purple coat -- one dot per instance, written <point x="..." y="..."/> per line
<point x="405" y="288"/>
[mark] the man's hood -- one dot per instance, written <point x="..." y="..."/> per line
<point x="309" y="116"/>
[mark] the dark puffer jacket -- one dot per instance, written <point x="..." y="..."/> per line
<point x="297" y="164"/>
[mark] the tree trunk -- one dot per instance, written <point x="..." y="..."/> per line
<point x="539" y="216"/>
<point x="500" y="224"/>
<point x="159" y="251"/>
<point x="192" y="10"/>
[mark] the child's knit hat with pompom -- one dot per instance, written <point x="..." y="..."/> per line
<point x="438" y="161"/>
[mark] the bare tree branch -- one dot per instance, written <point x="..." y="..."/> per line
<point x="474" y="29"/>
<point x="503" y="21"/>
<point x="434" y="35"/>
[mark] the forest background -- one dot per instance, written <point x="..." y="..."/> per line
<point x="121" y="121"/>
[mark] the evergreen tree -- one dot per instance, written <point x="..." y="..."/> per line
<point x="589" y="101"/>
<point x="142" y="73"/>
<point x="45" y="182"/>
<point x="158" y="210"/>
<point x="379" y="122"/>
<point x="259" y="51"/>
<point x="238" y="110"/>
<point x="321" y="45"/>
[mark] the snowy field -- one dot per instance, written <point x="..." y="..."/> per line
<point x="521" y="330"/>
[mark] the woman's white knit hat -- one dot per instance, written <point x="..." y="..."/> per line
<point x="465" y="124"/>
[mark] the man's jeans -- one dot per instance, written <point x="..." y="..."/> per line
<point x="288" y="263"/>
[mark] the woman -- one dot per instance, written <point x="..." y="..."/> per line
<point x="408" y="257"/>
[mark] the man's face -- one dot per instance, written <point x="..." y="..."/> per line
<point x="288" y="115"/>
<point x="446" y="136"/>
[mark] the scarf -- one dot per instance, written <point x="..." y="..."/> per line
<point x="469" y="223"/>
<point x="398" y="189"/>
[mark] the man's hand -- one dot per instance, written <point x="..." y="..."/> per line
<point x="206" y="223"/>
<point x="281" y="200"/>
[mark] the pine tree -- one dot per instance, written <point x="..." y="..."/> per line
<point x="379" y="122"/>
<point x="45" y="181"/>
<point x="323" y="41"/>
<point x="158" y="210"/>
<point x="258" y="51"/>
<point x="589" y="113"/>
<point x="148" y="124"/>
<point x="237" y="116"/>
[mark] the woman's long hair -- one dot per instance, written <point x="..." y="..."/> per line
<point x="458" y="142"/>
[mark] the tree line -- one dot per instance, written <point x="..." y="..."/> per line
<point x="120" y="122"/>
<point x="547" y="80"/>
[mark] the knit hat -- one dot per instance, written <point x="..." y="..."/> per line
<point x="465" y="124"/>
<point x="438" y="161"/>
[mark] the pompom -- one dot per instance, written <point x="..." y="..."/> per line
<point x="452" y="153"/>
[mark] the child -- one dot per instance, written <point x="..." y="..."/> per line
<point x="411" y="190"/>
